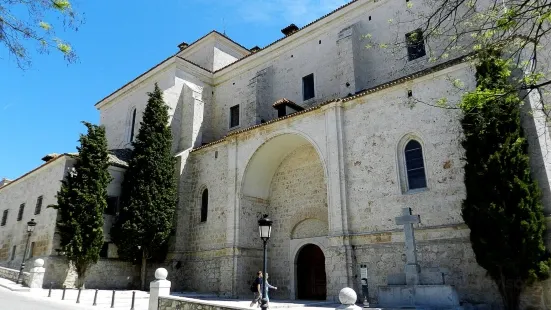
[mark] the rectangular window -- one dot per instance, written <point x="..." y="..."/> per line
<point x="112" y="205"/>
<point x="4" y="218"/>
<point x="104" y="250"/>
<point x="13" y="252"/>
<point x="415" y="44"/>
<point x="38" y="205"/>
<point x="21" y="210"/>
<point x="308" y="87"/>
<point x="234" y="116"/>
<point x="31" y="252"/>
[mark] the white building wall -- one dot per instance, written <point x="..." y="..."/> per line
<point x="42" y="182"/>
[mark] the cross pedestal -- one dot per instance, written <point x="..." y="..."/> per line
<point x="411" y="269"/>
<point x="415" y="288"/>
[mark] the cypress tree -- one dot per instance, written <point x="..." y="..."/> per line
<point x="82" y="200"/>
<point x="502" y="208"/>
<point x="148" y="197"/>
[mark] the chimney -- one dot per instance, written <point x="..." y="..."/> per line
<point x="182" y="46"/>
<point x="255" y="49"/>
<point x="289" y="30"/>
<point x="4" y="182"/>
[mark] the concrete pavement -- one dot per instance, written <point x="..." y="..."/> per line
<point x="39" y="300"/>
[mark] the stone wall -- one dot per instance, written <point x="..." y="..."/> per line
<point x="106" y="274"/>
<point x="12" y="274"/>
<point x="43" y="181"/>
<point x="181" y="303"/>
<point x="298" y="194"/>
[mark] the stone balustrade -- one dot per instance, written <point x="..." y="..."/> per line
<point x="12" y="274"/>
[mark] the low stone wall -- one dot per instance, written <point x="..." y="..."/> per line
<point x="182" y="303"/>
<point x="106" y="274"/>
<point x="12" y="274"/>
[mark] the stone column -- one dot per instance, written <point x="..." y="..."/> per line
<point x="36" y="277"/>
<point x="157" y="288"/>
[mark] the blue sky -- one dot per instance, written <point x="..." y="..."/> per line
<point x="41" y="108"/>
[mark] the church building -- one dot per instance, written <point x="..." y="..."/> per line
<point x="332" y="140"/>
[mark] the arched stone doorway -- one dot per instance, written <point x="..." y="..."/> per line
<point x="286" y="179"/>
<point x="310" y="273"/>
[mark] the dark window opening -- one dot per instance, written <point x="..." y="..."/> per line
<point x="415" y="167"/>
<point x="410" y="93"/>
<point x="204" y="205"/>
<point x="14" y="249"/>
<point x="132" y="125"/>
<point x="31" y="252"/>
<point x="112" y="205"/>
<point x="21" y="210"/>
<point x="234" y="116"/>
<point x="281" y="111"/>
<point x="104" y="250"/>
<point x="369" y="17"/>
<point x="319" y="42"/>
<point x="38" y="207"/>
<point x="4" y="218"/>
<point x="216" y="154"/>
<point x="415" y="44"/>
<point x="308" y="87"/>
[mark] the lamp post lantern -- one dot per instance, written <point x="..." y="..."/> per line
<point x="265" y="230"/>
<point x="30" y="228"/>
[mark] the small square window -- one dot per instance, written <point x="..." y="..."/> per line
<point x="415" y="44"/>
<point x="234" y="116"/>
<point x="308" y="87"/>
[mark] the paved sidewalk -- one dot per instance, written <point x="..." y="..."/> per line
<point x="123" y="299"/>
<point x="10" y="285"/>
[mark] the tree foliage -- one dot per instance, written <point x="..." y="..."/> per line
<point x="81" y="202"/>
<point x="148" y="196"/>
<point x="24" y="23"/>
<point x="455" y="28"/>
<point x="503" y="208"/>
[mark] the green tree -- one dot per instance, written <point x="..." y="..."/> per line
<point x="148" y="197"/>
<point x="82" y="200"/>
<point x="22" y="24"/>
<point x="503" y="208"/>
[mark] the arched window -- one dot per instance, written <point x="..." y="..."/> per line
<point x="133" y="123"/>
<point x="204" y="205"/>
<point x="415" y="167"/>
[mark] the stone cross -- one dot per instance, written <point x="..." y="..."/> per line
<point x="412" y="268"/>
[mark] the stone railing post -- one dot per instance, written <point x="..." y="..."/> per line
<point x="347" y="297"/>
<point x="159" y="287"/>
<point x="36" y="277"/>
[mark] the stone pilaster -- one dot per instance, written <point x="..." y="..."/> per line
<point x="337" y="200"/>
<point x="345" y="61"/>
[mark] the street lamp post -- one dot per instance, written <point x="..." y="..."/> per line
<point x="265" y="230"/>
<point x="30" y="228"/>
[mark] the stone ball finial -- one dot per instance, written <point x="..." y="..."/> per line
<point x="347" y="296"/>
<point x="39" y="262"/>
<point x="161" y="274"/>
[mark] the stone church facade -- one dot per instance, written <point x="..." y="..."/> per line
<point x="328" y="138"/>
